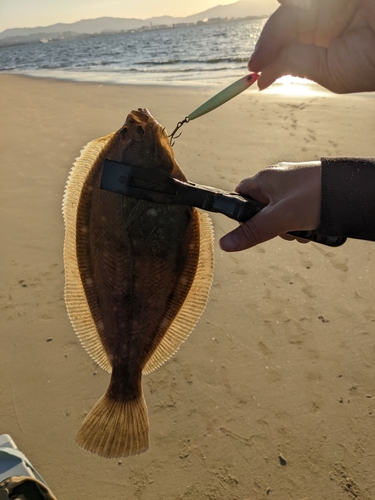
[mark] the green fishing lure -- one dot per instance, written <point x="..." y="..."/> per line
<point x="217" y="100"/>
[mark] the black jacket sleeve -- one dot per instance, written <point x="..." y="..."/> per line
<point x="348" y="197"/>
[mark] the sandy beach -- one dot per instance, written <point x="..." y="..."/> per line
<point x="273" y="394"/>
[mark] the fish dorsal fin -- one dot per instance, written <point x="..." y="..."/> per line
<point x="195" y="302"/>
<point x="75" y="298"/>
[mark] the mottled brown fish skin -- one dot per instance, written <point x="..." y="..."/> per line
<point x="137" y="261"/>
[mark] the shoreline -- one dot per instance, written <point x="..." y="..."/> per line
<point x="286" y="86"/>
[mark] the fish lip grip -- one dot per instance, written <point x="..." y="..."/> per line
<point x="145" y="184"/>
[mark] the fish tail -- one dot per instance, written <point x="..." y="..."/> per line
<point x="115" y="428"/>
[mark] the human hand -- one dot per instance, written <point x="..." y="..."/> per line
<point x="292" y="195"/>
<point x="331" y="42"/>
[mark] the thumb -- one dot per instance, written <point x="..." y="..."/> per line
<point x="262" y="227"/>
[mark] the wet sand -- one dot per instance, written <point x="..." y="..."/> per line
<point x="273" y="394"/>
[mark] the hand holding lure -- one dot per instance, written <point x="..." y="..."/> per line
<point x="217" y="100"/>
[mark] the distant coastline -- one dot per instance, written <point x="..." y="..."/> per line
<point x="43" y="37"/>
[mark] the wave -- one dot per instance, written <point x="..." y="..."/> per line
<point x="227" y="60"/>
<point x="156" y="70"/>
<point x="216" y="60"/>
<point x="195" y="53"/>
<point x="160" y="63"/>
<point x="171" y="66"/>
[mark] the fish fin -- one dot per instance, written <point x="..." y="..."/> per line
<point x="75" y="298"/>
<point x="114" y="428"/>
<point x="195" y="301"/>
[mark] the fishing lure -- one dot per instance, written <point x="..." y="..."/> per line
<point x="217" y="100"/>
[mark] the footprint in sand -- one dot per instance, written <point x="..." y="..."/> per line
<point x="225" y="377"/>
<point x="341" y="266"/>
<point x="187" y="373"/>
<point x="334" y="260"/>
<point x="258" y="249"/>
<point x="308" y="290"/>
<point x="265" y="350"/>
<point x="345" y="481"/>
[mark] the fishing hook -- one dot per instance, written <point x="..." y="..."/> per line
<point x="178" y="126"/>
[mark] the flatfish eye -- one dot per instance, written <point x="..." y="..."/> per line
<point x="140" y="131"/>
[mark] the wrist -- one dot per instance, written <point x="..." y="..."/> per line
<point x="347" y="205"/>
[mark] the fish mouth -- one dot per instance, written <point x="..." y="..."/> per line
<point x="144" y="115"/>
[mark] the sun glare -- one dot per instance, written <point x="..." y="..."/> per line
<point x="293" y="86"/>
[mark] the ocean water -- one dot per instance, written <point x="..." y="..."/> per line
<point x="192" y="55"/>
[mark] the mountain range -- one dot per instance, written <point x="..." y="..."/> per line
<point x="240" y="9"/>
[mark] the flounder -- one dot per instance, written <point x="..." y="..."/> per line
<point x="137" y="278"/>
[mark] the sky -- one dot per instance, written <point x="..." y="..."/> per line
<point x="32" y="13"/>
